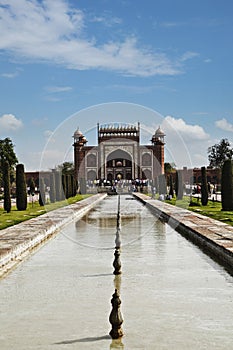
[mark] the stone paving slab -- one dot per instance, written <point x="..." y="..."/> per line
<point x="213" y="236"/>
<point x="17" y="241"/>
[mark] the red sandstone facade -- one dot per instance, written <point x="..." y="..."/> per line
<point x="118" y="154"/>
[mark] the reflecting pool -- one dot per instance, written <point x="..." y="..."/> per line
<point x="173" y="296"/>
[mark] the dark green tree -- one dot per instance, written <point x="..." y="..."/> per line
<point x="42" y="199"/>
<point x="204" y="187"/>
<point x="52" y="192"/>
<point x="74" y="185"/>
<point x="21" y="191"/>
<point x="82" y="186"/>
<point x="162" y="184"/>
<point x="171" y="190"/>
<point x="219" y="152"/>
<point x="69" y="189"/>
<point x="32" y="186"/>
<point x="64" y="186"/>
<point x="179" y="185"/>
<point x="6" y="184"/>
<point x="227" y="186"/>
<point x="169" y="168"/>
<point x="66" y="168"/>
<point x="58" y="186"/>
<point x="7" y="153"/>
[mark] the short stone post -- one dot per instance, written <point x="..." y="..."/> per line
<point x="117" y="263"/>
<point x="118" y="239"/>
<point x="115" y="317"/>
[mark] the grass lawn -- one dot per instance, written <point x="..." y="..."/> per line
<point x="16" y="216"/>
<point x="212" y="209"/>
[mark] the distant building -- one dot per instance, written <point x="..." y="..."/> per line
<point x="35" y="175"/>
<point x="193" y="176"/>
<point x="119" y="154"/>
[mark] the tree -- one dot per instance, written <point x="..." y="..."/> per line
<point x="58" y="186"/>
<point x="171" y="190"/>
<point x="179" y="186"/>
<point x="74" y="185"/>
<point x="169" y="168"/>
<point x="220" y="152"/>
<point x="69" y="189"/>
<point x="6" y="184"/>
<point x="66" y="168"/>
<point x="21" y="192"/>
<point x="82" y="186"/>
<point x="227" y="186"/>
<point x="32" y="186"/>
<point x="42" y="198"/>
<point x="52" y="192"/>
<point x="7" y="153"/>
<point x="204" y="187"/>
<point x="162" y="184"/>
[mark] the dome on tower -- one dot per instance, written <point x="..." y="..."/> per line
<point x="159" y="132"/>
<point x="78" y="133"/>
<point x="158" y="136"/>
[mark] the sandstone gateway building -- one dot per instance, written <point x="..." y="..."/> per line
<point x="118" y="155"/>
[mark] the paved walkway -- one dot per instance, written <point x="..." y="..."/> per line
<point x="17" y="241"/>
<point x="215" y="237"/>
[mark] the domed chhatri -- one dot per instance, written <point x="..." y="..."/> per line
<point x="79" y="137"/>
<point x="78" y="133"/>
<point x="158" y="136"/>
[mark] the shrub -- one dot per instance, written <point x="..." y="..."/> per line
<point x="52" y="193"/>
<point x="171" y="190"/>
<point x="6" y="182"/>
<point x="83" y="187"/>
<point x="204" y="187"/>
<point x="227" y="186"/>
<point x="179" y="188"/>
<point x="21" y="191"/>
<point x="162" y="184"/>
<point x="42" y="199"/>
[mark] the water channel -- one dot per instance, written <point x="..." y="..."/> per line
<point x="173" y="295"/>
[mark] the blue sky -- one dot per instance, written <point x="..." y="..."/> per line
<point x="128" y="58"/>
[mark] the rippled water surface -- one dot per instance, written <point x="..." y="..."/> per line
<point x="173" y="296"/>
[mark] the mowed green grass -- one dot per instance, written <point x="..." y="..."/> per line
<point x="212" y="209"/>
<point x="16" y="216"/>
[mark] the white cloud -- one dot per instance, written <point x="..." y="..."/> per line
<point x="186" y="131"/>
<point x="186" y="144"/>
<point x="109" y="21"/>
<point x="8" y="122"/>
<point x="53" y="31"/>
<point x="9" y="75"/>
<point x="188" y="55"/>
<point x="57" y="89"/>
<point x="224" y="125"/>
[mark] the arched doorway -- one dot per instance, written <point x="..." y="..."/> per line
<point x="119" y="165"/>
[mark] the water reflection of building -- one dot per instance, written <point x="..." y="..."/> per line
<point x="119" y="154"/>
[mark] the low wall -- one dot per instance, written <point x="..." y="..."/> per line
<point x="213" y="237"/>
<point x="17" y="241"/>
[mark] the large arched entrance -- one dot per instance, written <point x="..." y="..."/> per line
<point x="119" y="165"/>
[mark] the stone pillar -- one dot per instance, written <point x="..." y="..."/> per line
<point x="115" y="317"/>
